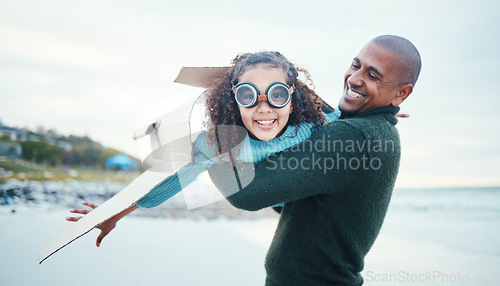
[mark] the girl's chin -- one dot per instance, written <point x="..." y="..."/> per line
<point x="262" y="137"/>
<point x="267" y="139"/>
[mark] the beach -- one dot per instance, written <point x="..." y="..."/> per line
<point x="430" y="237"/>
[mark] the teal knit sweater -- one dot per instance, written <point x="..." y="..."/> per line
<point x="337" y="187"/>
<point x="251" y="151"/>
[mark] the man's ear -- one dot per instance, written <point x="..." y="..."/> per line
<point x="403" y="92"/>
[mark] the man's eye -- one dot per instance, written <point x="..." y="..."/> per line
<point x="354" y="65"/>
<point x="372" y="76"/>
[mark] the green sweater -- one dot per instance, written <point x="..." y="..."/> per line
<point x="337" y="187"/>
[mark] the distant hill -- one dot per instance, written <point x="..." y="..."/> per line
<point x="47" y="147"/>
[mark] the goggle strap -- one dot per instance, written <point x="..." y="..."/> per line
<point x="262" y="98"/>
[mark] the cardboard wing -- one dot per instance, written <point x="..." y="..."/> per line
<point x="121" y="201"/>
<point x="200" y="76"/>
<point x="170" y="138"/>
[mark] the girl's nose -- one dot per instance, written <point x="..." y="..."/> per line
<point x="263" y="106"/>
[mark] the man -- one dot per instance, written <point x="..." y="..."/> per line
<point x="337" y="185"/>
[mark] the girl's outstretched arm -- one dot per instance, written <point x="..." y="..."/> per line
<point x="105" y="227"/>
<point x="162" y="192"/>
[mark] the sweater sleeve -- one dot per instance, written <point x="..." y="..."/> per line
<point x="174" y="184"/>
<point x="313" y="167"/>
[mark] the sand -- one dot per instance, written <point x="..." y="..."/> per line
<point x="162" y="251"/>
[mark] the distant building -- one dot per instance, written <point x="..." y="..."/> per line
<point x="121" y="162"/>
<point x="15" y="134"/>
<point x="34" y="137"/>
<point x="10" y="150"/>
<point x="65" y="145"/>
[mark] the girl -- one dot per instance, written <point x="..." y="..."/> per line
<point x="261" y="93"/>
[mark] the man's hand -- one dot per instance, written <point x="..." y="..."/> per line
<point x="403" y="115"/>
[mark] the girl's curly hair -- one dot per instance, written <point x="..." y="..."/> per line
<point x="222" y="109"/>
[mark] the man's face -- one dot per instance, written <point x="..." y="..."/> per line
<point x="371" y="80"/>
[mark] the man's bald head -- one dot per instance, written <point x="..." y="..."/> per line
<point x="410" y="65"/>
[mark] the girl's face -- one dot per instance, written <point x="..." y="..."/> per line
<point x="262" y="121"/>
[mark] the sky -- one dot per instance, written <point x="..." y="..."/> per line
<point x="90" y="67"/>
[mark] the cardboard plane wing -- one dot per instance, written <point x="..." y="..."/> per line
<point x="200" y="76"/>
<point x="176" y="152"/>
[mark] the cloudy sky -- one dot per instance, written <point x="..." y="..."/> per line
<point x="90" y="67"/>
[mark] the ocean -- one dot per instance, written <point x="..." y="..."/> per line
<point x="462" y="219"/>
<point x="425" y="229"/>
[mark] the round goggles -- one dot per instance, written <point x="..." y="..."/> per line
<point x="248" y="95"/>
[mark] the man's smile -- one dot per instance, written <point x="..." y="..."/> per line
<point x="353" y="94"/>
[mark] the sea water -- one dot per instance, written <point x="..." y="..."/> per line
<point x="463" y="219"/>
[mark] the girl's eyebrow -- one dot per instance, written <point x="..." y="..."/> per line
<point x="370" y="68"/>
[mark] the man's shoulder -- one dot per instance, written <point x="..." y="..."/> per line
<point x="354" y="128"/>
<point x="354" y="124"/>
<point x="369" y="122"/>
<point x="338" y="128"/>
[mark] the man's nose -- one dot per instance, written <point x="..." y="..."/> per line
<point x="355" y="79"/>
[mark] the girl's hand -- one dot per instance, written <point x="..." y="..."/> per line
<point x="80" y="211"/>
<point x="105" y="227"/>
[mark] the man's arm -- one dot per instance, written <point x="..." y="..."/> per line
<point x="318" y="165"/>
